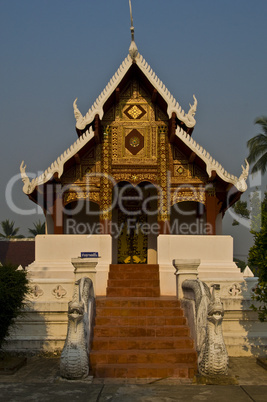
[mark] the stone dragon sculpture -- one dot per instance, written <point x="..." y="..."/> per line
<point x="209" y="312"/>
<point x="74" y="361"/>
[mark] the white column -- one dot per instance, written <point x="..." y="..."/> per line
<point x="185" y="269"/>
<point x="85" y="267"/>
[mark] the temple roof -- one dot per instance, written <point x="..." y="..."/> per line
<point x="172" y="105"/>
<point x="84" y="124"/>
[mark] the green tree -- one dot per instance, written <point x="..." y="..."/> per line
<point x="241" y="209"/>
<point x="39" y="228"/>
<point x="9" y="232"/>
<point x="258" y="259"/>
<point x="258" y="147"/>
<point x="258" y="252"/>
<point x="14" y="286"/>
<point x="253" y="213"/>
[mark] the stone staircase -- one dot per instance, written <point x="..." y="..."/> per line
<point x="137" y="333"/>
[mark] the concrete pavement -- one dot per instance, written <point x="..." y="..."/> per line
<point x="39" y="380"/>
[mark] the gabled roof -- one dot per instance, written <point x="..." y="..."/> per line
<point x="172" y="105"/>
<point x="212" y="164"/>
<point x="57" y="167"/>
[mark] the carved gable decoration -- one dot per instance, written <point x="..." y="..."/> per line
<point x="89" y="156"/>
<point x="135" y="112"/>
<point x="134" y="129"/>
<point x="178" y="156"/>
<point x="70" y="176"/>
<point x="134" y="142"/>
<point x="200" y="174"/>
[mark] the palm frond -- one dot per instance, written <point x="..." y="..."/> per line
<point x="8" y="228"/>
<point x="39" y="228"/>
<point x="262" y="121"/>
<point x="260" y="165"/>
<point x="257" y="146"/>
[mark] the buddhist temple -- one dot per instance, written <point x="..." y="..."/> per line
<point x="135" y="165"/>
<point x="135" y="205"/>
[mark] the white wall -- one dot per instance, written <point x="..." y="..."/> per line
<point x="215" y="253"/>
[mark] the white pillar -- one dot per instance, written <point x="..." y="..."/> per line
<point x="185" y="269"/>
<point x="85" y="267"/>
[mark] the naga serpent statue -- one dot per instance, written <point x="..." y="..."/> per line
<point x="209" y="312"/>
<point x="74" y="361"/>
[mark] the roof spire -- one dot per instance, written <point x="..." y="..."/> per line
<point x="133" y="51"/>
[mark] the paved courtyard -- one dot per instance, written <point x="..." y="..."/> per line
<point x="39" y="380"/>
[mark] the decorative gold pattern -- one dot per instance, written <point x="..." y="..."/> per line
<point x="188" y="194"/>
<point x="163" y="162"/>
<point x="132" y="242"/>
<point x="134" y="141"/>
<point x="115" y="142"/>
<point x="133" y="100"/>
<point x="135" y="112"/>
<point x="82" y="195"/>
<point x="135" y="178"/>
<point x="106" y="185"/>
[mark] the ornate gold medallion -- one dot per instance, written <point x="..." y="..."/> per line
<point x="135" y="112"/>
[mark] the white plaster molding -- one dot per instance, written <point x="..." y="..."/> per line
<point x="57" y="166"/>
<point x="212" y="164"/>
<point x="97" y="107"/>
<point x="59" y="292"/>
<point x="36" y="292"/>
<point x="173" y="105"/>
<point x="248" y="273"/>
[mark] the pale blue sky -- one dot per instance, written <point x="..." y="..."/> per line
<point x="53" y="51"/>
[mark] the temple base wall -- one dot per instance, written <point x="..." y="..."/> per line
<point x="243" y="333"/>
<point x="44" y="326"/>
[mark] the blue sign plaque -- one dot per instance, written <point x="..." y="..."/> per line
<point x="89" y="254"/>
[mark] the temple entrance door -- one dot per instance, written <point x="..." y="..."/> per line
<point x="134" y="215"/>
<point x="132" y="241"/>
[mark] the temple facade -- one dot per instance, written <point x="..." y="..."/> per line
<point x="135" y="171"/>
<point x="135" y="189"/>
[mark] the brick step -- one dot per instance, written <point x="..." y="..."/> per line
<point x="134" y="268"/>
<point x="103" y="343"/>
<point x="138" y="333"/>
<point x="139" y="312"/>
<point x="161" y="356"/>
<point x="139" y="321"/>
<point x="133" y="275"/>
<point x="144" y="370"/>
<point x="133" y="292"/>
<point x="154" y="331"/>
<point x="133" y="283"/>
<point x="103" y="301"/>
